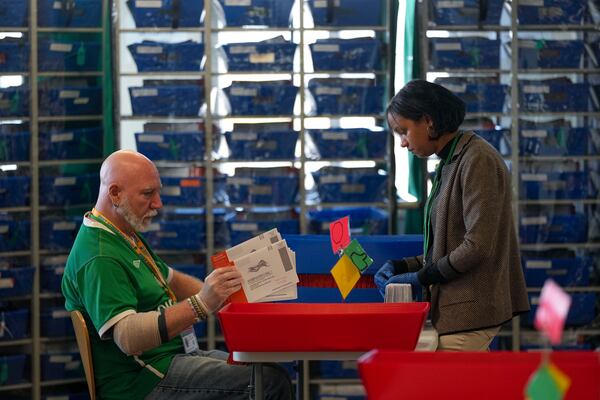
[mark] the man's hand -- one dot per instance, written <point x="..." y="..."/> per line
<point x="218" y="286"/>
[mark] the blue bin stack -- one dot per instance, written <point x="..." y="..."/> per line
<point x="14" y="54"/>
<point x="51" y="277"/>
<point x="175" y="98"/>
<point x="152" y="56"/>
<point x="263" y="186"/>
<point x="550" y="53"/>
<point x="56" y="322"/>
<point x="73" y="144"/>
<point x="70" y="13"/>
<point x="270" y="145"/>
<point x="544" y="227"/>
<point x="166" y="13"/>
<point x="262" y="98"/>
<point x="14" y="13"/>
<point x="339" y="96"/>
<point x="555" y="185"/>
<point x="70" y="55"/>
<point x="467" y="12"/>
<point x="16" y="281"/>
<point x="272" y="13"/>
<point x="554" y="95"/>
<point x="12" y="369"/>
<point x="555" y="141"/>
<point x="15" y="234"/>
<point x="14" y="101"/>
<point x="564" y="269"/>
<point x="62" y="100"/>
<point x="69" y="189"/>
<point x="464" y="52"/>
<point x="14" y="146"/>
<point x="356" y="143"/>
<point x="363" y="220"/>
<point x="581" y="312"/>
<point x="14" y="191"/>
<point x="59" y="233"/>
<point x="55" y="366"/>
<point x="171" y="146"/>
<point x="247" y="224"/>
<point x="272" y="55"/>
<point x="479" y="95"/>
<point x="346" y="12"/>
<point x="352" y="55"/>
<point x="15" y="323"/>
<point x="552" y="12"/>
<point x="350" y="185"/>
<point x="498" y="138"/>
<point x="187" y="191"/>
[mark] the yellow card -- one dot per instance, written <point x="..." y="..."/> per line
<point x="562" y="380"/>
<point x="345" y="274"/>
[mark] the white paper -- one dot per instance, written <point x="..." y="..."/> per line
<point x="253" y="244"/>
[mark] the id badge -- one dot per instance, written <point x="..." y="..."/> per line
<point x="190" y="342"/>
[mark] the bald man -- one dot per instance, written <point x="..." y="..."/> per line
<point x="140" y="310"/>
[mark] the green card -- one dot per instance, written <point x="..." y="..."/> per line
<point x="358" y="256"/>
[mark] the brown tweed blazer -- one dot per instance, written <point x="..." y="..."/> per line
<point x="473" y="226"/>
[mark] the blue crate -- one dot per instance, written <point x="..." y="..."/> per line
<point x="242" y="230"/>
<point x="540" y="96"/>
<point x="550" y="53"/>
<point x="195" y="270"/>
<point x="58" y="233"/>
<point x="14" y="13"/>
<point x="554" y="229"/>
<point x="14" y="101"/>
<point x="464" y="52"/>
<point x="16" y="281"/>
<point x="332" y="295"/>
<point x="151" y="56"/>
<point x="358" y="143"/>
<point x="55" y="366"/>
<point x="269" y="55"/>
<point x="350" y="186"/>
<point x="14" y="191"/>
<point x="166" y="13"/>
<point x="555" y="185"/>
<point x="555" y="142"/>
<point x="263" y="190"/>
<point x="14" y="235"/>
<point x="56" y="322"/>
<point x="70" y="101"/>
<point x="14" y="146"/>
<point x="480" y="97"/>
<point x="465" y="12"/>
<point x="352" y="55"/>
<point x="261" y="98"/>
<point x="183" y="191"/>
<point x="51" y="278"/>
<point x="14" y="324"/>
<point x="552" y="12"/>
<point x="582" y="311"/>
<point x="572" y="271"/>
<point x="171" y="146"/>
<point x="363" y="220"/>
<point x="177" y="235"/>
<point x="346" y="12"/>
<point x="340" y="96"/>
<point x="75" y="144"/>
<point x="338" y="369"/>
<point x="167" y="100"/>
<point x="14" y="55"/>
<point x="253" y="146"/>
<point x="69" y="190"/>
<point x="201" y="329"/>
<point x="12" y="369"/>
<point x="498" y="138"/>
<point x="314" y="255"/>
<point x="272" y="13"/>
<point x="55" y="55"/>
<point x="70" y="13"/>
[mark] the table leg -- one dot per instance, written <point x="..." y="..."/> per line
<point x="258" y="381"/>
<point x="299" y="379"/>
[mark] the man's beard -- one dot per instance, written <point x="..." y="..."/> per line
<point x="139" y="224"/>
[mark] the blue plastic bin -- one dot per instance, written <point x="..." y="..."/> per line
<point x="553" y="96"/>
<point x="16" y="281"/>
<point x="347" y="185"/>
<point x="352" y="55"/>
<point x="582" y="311"/>
<point x="552" y="12"/>
<point x="14" y="54"/>
<point x="69" y="190"/>
<point x="554" y="228"/>
<point x="14" y="13"/>
<point x="242" y="230"/>
<point x="15" y="235"/>
<point x="55" y="366"/>
<point x="262" y="98"/>
<point x="14" y="324"/>
<point x="269" y="55"/>
<point x="339" y="96"/>
<point x="51" y="278"/>
<point x="176" y="99"/>
<point x="550" y="53"/>
<point x="252" y="146"/>
<point x="571" y="271"/>
<point x="358" y="143"/>
<point x="338" y="369"/>
<point x="466" y="12"/>
<point x="555" y="142"/>
<point x="464" y="52"/>
<point x="14" y="146"/>
<point x="170" y="146"/>
<point x="152" y="56"/>
<point x="75" y="144"/>
<point x="14" y="191"/>
<point x="498" y="138"/>
<point x="166" y="13"/>
<point x="177" y="235"/>
<point x="14" y="101"/>
<point x="555" y="185"/>
<point x="363" y="220"/>
<point x="56" y="322"/>
<point x="480" y="97"/>
<point x="274" y="190"/>
<point x="183" y="191"/>
<point x="56" y="55"/>
<point x="59" y="233"/>
<point x="70" y="101"/>
<point x="272" y="13"/>
<point x="346" y="12"/>
<point x="70" y="13"/>
<point x="332" y="295"/>
<point x="12" y="369"/>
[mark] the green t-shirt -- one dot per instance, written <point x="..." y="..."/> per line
<point x="106" y="280"/>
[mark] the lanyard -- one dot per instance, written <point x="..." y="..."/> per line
<point x="437" y="181"/>
<point x="140" y="249"/>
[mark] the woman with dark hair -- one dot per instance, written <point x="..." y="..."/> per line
<point x="471" y="265"/>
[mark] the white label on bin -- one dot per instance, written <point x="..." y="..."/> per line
<point x="534" y="177"/>
<point x="244" y="92"/>
<point x="534" y="133"/>
<point x="144" y="92"/>
<point x="333" y="179"/>
<point x="61" y="137"/>
<point x="61" y="358"/>
<point x="149" y="50"/>
<point x="7" y="283"/>
<point x="261" y="189"/>
<point x="537" y="3"/>
<point x="534" y="220"/>
<point x="320" y="3"/>
<point x="63" y="226"/>
<point x="68" y="94"/>
<point x="60" y="314"/>
<point x="450" y="4"/>
<point x="57" y="5"/>
<point x="3" y="229"/>
<point x="349" y="364"/>
<point x="57" y="397"/>
<point x="353" y="188"/>
<point x="81" y="100"/>
<point x="56" y="260"/>
<point x="325" y="226"/>
<point x="538" y="264"/>
<point x="242" y="49"/>
<point x="244" y="227"/>
<point x="536" y="89"/>
<point x="154" y="227"/>
<point x="171" y="190"/>
<point x="166" y="234"/>
<point x="59" y="271"/>
<point x="535" y="300"/>
<point x="146" y="138"/>
<point x="239" y="181"/>
<point x="244" y="136"/>
<point x="527" y="44"/>
<point x="327" y="90"/>
<point x="335" y="135"/>
<point x="73" y="365"/>
<point x="236" y="3"/>
<point x="62" y="47"/>
<point x="451" y="46"/>
<point x="456" y="88"/>
<point x="148" y="4"/>
<point x="65" y="181"/>
<point x="264" y="58"/>
<point x="326" y="48"/>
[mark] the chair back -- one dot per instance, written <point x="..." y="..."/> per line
<point x="85" y="349"/>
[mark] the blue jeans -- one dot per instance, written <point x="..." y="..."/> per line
<point x="205" y="375"/>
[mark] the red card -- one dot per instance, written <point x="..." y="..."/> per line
<point x="339" y="233"/>
<point x="220" y="260"/>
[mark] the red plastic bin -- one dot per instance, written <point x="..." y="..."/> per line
<point x="465" y="376"/>
<point x="291" y="327"/>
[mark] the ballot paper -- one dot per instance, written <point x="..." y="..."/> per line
<point x="289" y="293"/>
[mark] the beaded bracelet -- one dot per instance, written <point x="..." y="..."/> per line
<point x="196" y="314"/>
<point x="198" y="309"/>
